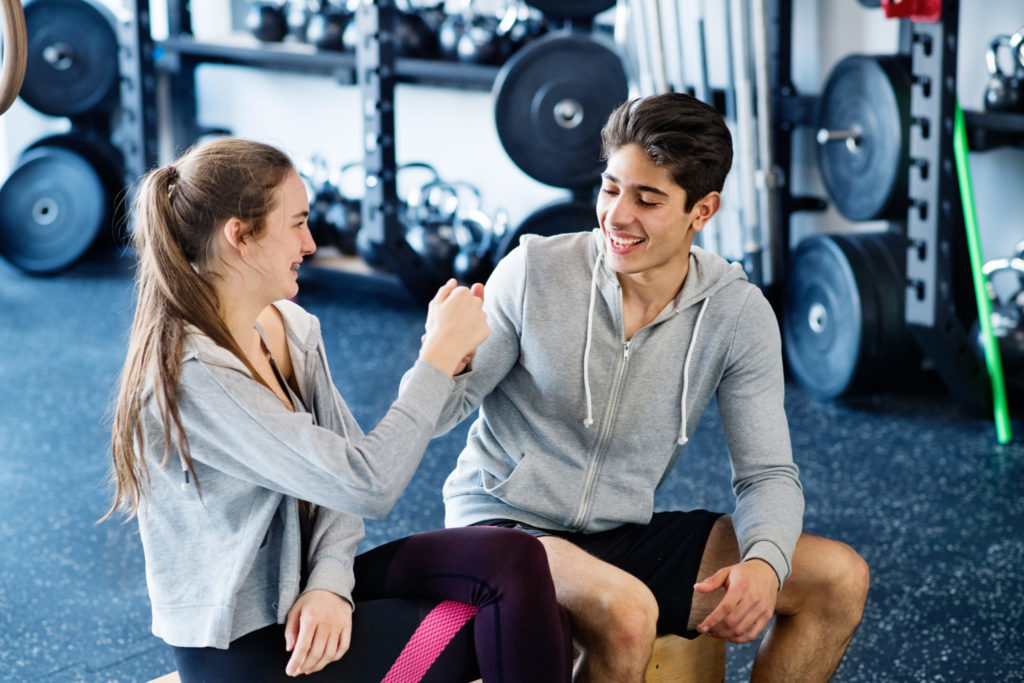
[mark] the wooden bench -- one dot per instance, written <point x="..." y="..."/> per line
<point x="675" y="660"/>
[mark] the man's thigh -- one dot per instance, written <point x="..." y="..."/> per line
<point x="664" y="555"/>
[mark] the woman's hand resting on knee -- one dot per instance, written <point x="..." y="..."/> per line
<point x="318" y="631"/>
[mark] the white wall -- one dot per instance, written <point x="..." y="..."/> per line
<point x="453" y="129"/>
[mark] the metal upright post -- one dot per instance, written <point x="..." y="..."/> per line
<point x="184" y="128"/>
<point x="381" y="219"/>
<point x="136" y="131"/>
<point x="938" y="282"/>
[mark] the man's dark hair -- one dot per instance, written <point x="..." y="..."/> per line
<point x="679" y="133"/>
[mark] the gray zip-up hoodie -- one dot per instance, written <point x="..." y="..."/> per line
<point x="229" y="562"/>
<point x="578" y="427"/>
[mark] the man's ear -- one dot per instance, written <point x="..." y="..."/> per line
<point x="706" y="207"/>
<point x="235" y="234"/>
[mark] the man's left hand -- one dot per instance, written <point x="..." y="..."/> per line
<point x="751" y="590"/>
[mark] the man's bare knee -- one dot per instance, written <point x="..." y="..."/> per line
<point x="630" y="618"/>
<point x="850" y="582"/>
<point x="614" y="615"/>
<point x="829" y="577"/>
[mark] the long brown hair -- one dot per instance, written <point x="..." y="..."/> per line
<point x="177" y="212"/>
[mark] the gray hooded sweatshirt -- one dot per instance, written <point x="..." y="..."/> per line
<point x="229" y="561"/>
<point x="578" y="427"/>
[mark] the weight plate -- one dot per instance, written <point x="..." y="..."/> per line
<point x="843" y="314"/>
<point x="551" y="100"/>
<point x="72" y="58"/>
<point x="572" y="215"/>
<point x="52" y="206"/>
<point x="572" y="9"/>
<point x="107" y="161"/>
<point x="863" y="122"/>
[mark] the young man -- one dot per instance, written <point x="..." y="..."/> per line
<point x="605" y="349"/>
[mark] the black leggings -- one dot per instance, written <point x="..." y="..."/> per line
<point x="519" y="633"/>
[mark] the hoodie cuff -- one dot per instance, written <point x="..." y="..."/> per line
<point x="332" y="575"/>
<point x="770" y="553"/>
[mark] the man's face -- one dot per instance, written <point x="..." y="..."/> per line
<point x="641" y="211"/>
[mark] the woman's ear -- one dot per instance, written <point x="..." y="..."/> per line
<point x="704" y="209"/>
<point x="235" y="235"/>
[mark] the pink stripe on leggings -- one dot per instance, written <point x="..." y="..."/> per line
<point x="429" y="640"/>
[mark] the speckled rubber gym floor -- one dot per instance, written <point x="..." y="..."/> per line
<point x="920" y="488"/>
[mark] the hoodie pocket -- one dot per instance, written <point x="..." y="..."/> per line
<point x="540" y="485"/>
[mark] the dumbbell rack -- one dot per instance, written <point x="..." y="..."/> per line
<point x="939" y="295"/>
<point x="374" y="69"/>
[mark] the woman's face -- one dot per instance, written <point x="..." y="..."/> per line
<point x="279" y="251"/>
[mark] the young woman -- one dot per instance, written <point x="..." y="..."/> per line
<point x="250" y="477"/>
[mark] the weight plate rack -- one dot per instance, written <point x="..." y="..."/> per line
<point x="939" y="292"/>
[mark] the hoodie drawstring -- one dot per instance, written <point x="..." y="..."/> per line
<point x="686" y="375"/>
<point x="589" y="420"/>
<point x="586" y="349"/>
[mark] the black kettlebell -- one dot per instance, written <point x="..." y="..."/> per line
<point x="322" y="195"/>
<point x="1007" y="320"/>
<point x="327" y="28"/>
<point x="474" y="234"/>
<point x="481" y="42"/>
<point x="1004" y="91"/>
<point x="414" y="37"/>
<point x="266" y="21"/>
<point x="528" y="24"/>
<point x="450" y="33"/>
<point x="297" y="15"/>
<point x="435" y="244"/>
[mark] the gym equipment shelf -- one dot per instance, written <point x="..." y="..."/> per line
<point x="293" y="57"/>
<point x="374" y="69"/>
<point x="988" y="129"/>
<point x="938" y="286"/>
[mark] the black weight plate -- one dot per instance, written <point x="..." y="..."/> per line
<point x="822" y="318"/>
<point x="108" y="162"/>
<point x="867" y="179"/>
<point x="72" y="58"/>
<point x="551" y="100"/>
<point x="52" y="206"/>
<point x="571" y="215"/>
<point x="572" y="9"/>
<point x="843" y="314"/>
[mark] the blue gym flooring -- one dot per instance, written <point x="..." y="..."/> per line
<point x="921" y="489"/>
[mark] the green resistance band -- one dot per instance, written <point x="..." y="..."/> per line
<point x="992" y="358"/>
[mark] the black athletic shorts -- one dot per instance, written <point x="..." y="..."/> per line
<point x="665" y="554"/>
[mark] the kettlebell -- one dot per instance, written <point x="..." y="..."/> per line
<point x="449" y="34"/>
<point x="474" y="234"/>
<point x="322" y="194"/>
<point x="327" y="28"/>
<point x="1003" y="92"/>
<point x="481" y="42"/>
<point x="297" y="15"/>
<point x="266" y="21"/>
<point x="1007" y="320"/>
<point x="413" y="36"/>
